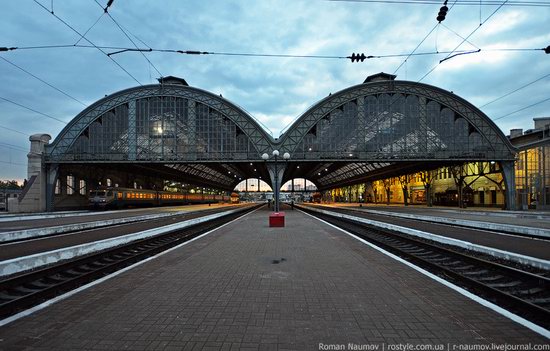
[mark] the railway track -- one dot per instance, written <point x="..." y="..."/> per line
<point x="524" y="293"/>
<point x="24" y="291"/>
<point x="80" y="227"/>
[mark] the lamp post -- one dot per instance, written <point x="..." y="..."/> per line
<point x="275" y="154"/>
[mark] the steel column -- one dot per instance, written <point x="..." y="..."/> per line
<point x="132" y="135"/>
<point x="52" y="172"/>
<point x="509" y="175"/>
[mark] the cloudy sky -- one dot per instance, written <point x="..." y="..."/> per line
<point x="273" y="90"/>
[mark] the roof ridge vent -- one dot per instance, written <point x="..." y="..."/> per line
<point x="380" y="77"/>
<point x="172" y="80"/>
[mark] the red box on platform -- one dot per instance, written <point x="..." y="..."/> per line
<point x="277" y="219"/>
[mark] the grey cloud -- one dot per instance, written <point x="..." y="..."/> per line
<point x="270" y="87"/>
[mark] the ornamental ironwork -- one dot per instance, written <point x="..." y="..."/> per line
<point x="395" y="120"/>
<point x="172" y="123"/>
<point x="358" y="131"/>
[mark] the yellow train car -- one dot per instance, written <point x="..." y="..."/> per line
<point x="235" y="198"/>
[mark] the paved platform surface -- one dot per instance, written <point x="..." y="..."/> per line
<point x="538" y="219"/>
<point x="232" y="290"/>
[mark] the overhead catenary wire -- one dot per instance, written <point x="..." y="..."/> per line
<point x="89" y="41"/>
<point x="295" y="56"/>
<point x="33" y="110"/>
<point x="121" y="49"/>
<point x="454" y="52"/>
<point x="459" y="2"/>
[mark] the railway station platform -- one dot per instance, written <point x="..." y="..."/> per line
<point x="537" y="219"/>
<point x="509" y="232"/>
<point x="17" y="222"/>
<point x="246" y="286"/>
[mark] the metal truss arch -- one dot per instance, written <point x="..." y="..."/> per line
<point x="393" y="120"/>
<point x="160" y="122"/>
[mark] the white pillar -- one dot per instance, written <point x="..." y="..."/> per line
<point x="38" y="142"/>
<point x="33" y="198"/>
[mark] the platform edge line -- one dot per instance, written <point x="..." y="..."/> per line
<point x="512" y="316"/>
<point x="508" y="255"/>
<point x="59" y="298"/>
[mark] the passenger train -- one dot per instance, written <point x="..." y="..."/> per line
<point x="316" y="198"/>
<point x="124" y="197"/>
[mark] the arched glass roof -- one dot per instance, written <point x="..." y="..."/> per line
<point x="374" y="129"/>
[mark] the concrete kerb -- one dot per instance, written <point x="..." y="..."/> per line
<point x="509" y="228"/>
<point x="22" y="264"/>
<point x="38" y="232"/>
<point x="504" y="213"/>
<point x="9" y="217"/>
<point x="527" y="260"/>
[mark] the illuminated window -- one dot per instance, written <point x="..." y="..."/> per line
<point x="57" y="190"/>
<point x="70" y="185"/>
<point x="82" y="187"/>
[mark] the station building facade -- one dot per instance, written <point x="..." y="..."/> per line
<point x="384" y="133"/>
<point x="482" y="182"/>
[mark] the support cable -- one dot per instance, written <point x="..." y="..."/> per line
<point x="126" y="34"/>
<point x="422" y="41"/>
<point x="43" y="81"/>
<point x="15" y="130"/>
<point x="416" y="48"/>
<point x="460" y="36"/>
<point x="89" y="29"/>
<point x="14" y="163"/>
<point x="88" y="40"/>
<point x="462" y="42"/>
<point x="33" y="110"/>
<point x="521" y="109"/>
<point x="13" y="147"/>
<point x="515" y="90"/>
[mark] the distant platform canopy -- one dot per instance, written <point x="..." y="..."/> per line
<point x="376" y="129"/>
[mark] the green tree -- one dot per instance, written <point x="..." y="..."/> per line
<point x="9" y="184"/>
